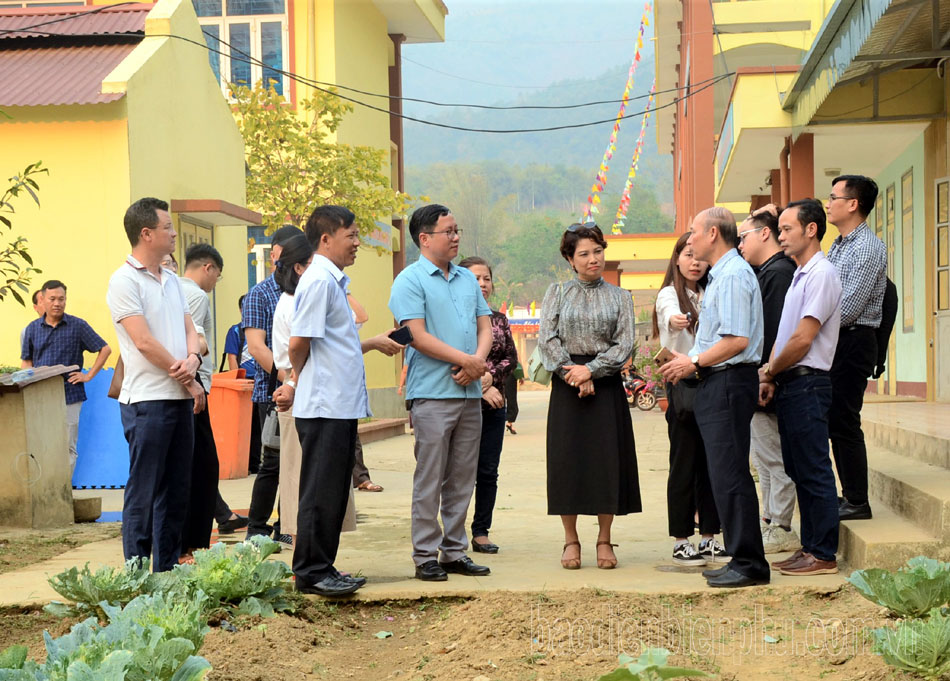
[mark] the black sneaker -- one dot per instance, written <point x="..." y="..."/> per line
<point x="686" y="554"/>
<point x="713" y="551"/>
<point x="286" y="541"/>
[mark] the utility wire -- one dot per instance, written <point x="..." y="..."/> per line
<point x="248" y="59"/>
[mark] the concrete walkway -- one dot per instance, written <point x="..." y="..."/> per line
<point x="530" y="540"/>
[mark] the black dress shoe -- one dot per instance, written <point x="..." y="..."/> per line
<point x="465" y="566"/>
<point x="329" y="586"/>
<point x="232" y="524"/>
<point x="849" y="511"/>
<point x="716" y="572"/>
<point x="731" y="579"/>
<point x="431" y="571"/>
<point x="359" y="581"/>
<point x="484" y="548"/>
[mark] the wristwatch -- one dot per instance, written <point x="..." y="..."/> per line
<point x="196" y="354"/>
<point x="767" y="370"/>
<point x="695" y="360"/>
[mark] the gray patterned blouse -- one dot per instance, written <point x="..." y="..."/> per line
<point x="587" y="318"/>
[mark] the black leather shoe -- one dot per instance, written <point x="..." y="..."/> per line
<point x="359" y="581"/>
<point x="431" y="571"/>
<point x="329" y="586"/>
<point x="849" y="511"/>
<point x="716" y="572"/>
<point x="731" y="579"/>
<point x="465" y="566"/>
<point x="232" y="524"/>
<point x="484" y="548"/>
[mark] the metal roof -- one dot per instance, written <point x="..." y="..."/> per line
<point x="63" y="54"/>
<point x="72" y="21"/>
<point x="49" y="76"/>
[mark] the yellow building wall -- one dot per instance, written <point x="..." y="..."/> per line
<point x="76" y="234"/>
<point x="183" y="141"/>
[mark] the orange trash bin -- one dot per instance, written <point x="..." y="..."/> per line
<point x="229" y="405"/>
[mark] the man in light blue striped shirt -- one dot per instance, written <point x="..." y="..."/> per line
<point x="726" y="358"/>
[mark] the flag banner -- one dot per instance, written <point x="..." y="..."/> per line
<point x="634" y="163"/>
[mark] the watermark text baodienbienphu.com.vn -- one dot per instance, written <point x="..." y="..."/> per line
<point x="690" y="632"/>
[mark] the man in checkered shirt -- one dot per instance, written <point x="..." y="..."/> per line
<point x="860" y="259"/>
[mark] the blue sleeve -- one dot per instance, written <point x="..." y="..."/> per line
<point x="91" y="341"/>
<point x="407" y="298"/>
<point x="231" y="341"/>
<point x="253" y="313"/>
<point x="311" y="305"/>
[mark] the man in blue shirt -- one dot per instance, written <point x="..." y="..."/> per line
<point x="328" y="393"/>
<point x="726" y="357"/>
<point x="59" y="338"/>
<point x="450" y="322"/>
<point x="257" y="320"/>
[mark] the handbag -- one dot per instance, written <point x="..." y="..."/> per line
<point x="270" y="430"/>
<point x="537" y="372"/>
<point x="115" y="386"/>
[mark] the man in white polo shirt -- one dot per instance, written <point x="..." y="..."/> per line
<point x="799" y="367"/>
<point x="160" y="351"/>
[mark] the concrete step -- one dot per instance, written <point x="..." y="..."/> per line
<point x="918" y="492"/>
<point x="381" y="429"/>
<point x="916" y="431"/>
<point x="886" y="541"/>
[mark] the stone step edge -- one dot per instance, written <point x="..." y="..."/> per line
<point x="918" y="445"/>
<point x="914" y="490"/>
<point x="885" y="541"/>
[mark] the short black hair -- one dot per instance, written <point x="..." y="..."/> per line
<point x="241" y="302"/>
<point x="575" y="233"/>
<point x="143" y="214"/>
<point x="36" y="294"/>
<point x="811" y="210"/>
<point x="327" y="220"/>
<point x="284" y="234"/>
<point x="864" y="189"/>
<point x="203" y="253"/>
<point x="723" y="220"/>
<point x="51" y="284"/>
<point x="297" y="250"/>
<point x="766" y="220"/>
<point x="425" y="218"/>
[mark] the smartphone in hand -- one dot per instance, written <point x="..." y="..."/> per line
<point x="402" y="335"/>
<point x="662" y="357"/>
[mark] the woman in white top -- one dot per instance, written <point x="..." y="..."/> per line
<point x="295" y="257"/>
<point x="688" y="491"/>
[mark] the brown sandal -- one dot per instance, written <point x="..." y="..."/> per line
<point x="606" y="563"/>
<point x="369" y="486"/>
<point x="571" y="563"/>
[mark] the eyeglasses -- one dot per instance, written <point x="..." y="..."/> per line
<point x="450" y="233"/>
<point x="586" y="225"/>
<point x="743" y="235"/>
<point x="832" y="197"/>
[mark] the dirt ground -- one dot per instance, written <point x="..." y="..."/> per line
<point x="558" y="636"/>
<point x="22" y="547"/>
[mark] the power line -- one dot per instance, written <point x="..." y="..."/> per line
<point x="248" y="59"/>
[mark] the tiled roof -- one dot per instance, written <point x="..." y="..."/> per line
<point x="71" y="21"/>
<point x="66" y="53"/>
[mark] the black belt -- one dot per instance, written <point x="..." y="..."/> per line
<point x="858" y="327"/>
<point x="797" y="372"/>
<point x="706" y="372"/>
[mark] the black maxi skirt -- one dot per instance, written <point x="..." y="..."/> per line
<point x="591" y="455"/>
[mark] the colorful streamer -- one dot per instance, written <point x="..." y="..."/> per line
<point x="625" y="197"/>
<point x="600" y="181"/>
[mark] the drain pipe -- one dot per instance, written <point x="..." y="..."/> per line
<point x="784" y="176"/>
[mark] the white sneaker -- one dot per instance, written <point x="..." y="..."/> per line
<point x="686" y="554"/>
<point x="778" y="540"/>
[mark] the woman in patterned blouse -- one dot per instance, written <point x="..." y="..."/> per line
<point x="587" y="335"/>
<point x="502" y="360"/>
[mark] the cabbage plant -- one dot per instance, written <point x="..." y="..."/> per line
<point x="912" y="591"/>
<point x="921" y="646"/>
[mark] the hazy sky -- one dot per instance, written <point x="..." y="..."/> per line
<point x="496" y="50"/>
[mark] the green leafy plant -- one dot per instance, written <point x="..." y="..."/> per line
<point x="240" y="579"/>
<point x="912" y="591"/>
<point x="90" y="590"/>
<point x="650" y="666"/>
<point x="921" y="646"/>
<point x="16" y="264"/>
